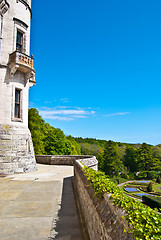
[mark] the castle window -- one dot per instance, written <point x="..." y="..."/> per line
<point x="19" y="41"/>
<point x="17" y="112"/>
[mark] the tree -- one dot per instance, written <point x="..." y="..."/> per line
<point x="47" y="139"/>
<point x="145" y="158"/>
<point x="130" y="158"/>
<point x="36" y="126"/>
<point x="158" y="180"/>
<point x="110" y="162"/>
<point x="150" y="187"/>
<point x="56" y="143"/>
<point x="76" y="149"/>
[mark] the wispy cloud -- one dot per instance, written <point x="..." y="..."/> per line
<point x="64" y="114"/>
<point x="31" y="104"/>
<point x="48" y="102"/>
<point x="64" y="100"/>
<point x="116" y="114"/>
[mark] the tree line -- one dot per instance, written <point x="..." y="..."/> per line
<point x="115" y="158"/>
<point x="48" y="140"/>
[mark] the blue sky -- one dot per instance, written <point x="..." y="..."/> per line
<point x="98" y="68"/>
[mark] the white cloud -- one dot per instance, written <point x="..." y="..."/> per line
<point x="63" y="114"/>
<point x="116" y="114"/>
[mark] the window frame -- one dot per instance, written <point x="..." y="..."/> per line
<point x="17" y="103"/>
<point x="19" y="117"/>
<point x="20" y="45"/>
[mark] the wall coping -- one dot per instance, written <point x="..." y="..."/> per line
<point x="87" y="160"/>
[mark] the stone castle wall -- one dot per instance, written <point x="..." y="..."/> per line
<point x="16" y="150"/>
<point x="7" y="88"/>
<point x="17" y="10"/>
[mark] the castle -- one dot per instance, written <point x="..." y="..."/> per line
<point x="17" y="75"/>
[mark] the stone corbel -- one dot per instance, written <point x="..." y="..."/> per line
<point x="13" y="69"/>
<point x="30" y="77"/>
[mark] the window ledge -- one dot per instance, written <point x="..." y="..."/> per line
<point x="17" y="120"/>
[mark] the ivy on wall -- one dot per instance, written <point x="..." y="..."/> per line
<point x="145" y="222"/>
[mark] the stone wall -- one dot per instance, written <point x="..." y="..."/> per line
<point x="100" y="219"/>
<point x="16" y="150"/>
<point x="89" y="161"/>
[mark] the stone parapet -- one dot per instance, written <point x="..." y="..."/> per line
<point x="87" y="160"/>
<point x="100" y="218"/>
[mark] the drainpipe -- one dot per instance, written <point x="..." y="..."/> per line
<point x="1" y="29"/>
<point x="4" y="6"/>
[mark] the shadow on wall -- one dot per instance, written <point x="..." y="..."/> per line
<point x="67" y="226"/>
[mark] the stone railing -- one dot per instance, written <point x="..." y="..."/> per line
<point x="22" y="59"/>
<point x="100" y="219"/>
<point x="19" y="61"/>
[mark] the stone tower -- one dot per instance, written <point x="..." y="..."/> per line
<point x="16" y="77"/>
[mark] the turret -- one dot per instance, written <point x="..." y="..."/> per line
<point x="17" y="75"/>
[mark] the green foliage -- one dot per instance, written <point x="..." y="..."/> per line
<point x="158" y="179"/>
<point x="142" y="175"/>
<point x="90" y="149"/>
<point x="146" y="223"/>
<point x="56" y="143"/>
<point x="130" y="158"/>
<point x="36" y="126"/>
<point x="154" y="202"/>
<point x="98" y="142"/>
<point x="47" y="139"/>
<point x="118" y="180"/>
<point x="111" y="163"/>
<point x="145" y="158"/>
<point x="152" y="174"/>
<point x="76" y="149"/>
<point x="150" y="187"/>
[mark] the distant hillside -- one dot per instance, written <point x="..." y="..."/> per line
<point x="114" y="157"/>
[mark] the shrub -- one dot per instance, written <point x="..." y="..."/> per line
<point x="124" y="175"/>
<point x="131" y="175"/>
<point x="150" y="187"/>
<point x="142" y="175"/>
<point x="152" y="174"/>
<point x="158" y="179"/>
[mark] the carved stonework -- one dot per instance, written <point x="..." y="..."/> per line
<point x="3" y="7"/>
<point x="23" y="63"/>
<point x="13" y="69"/>
<point x="20" y="23"/>
<point x="30" y="76"/>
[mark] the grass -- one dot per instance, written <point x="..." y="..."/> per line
<point x="121" y="180"/>
<point x="155" y="187"/>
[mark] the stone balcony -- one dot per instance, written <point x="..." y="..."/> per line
<point x="21" y="62"/>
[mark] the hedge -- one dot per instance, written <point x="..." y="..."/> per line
<point x="154" y="202"/>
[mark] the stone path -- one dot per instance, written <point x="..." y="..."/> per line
<point x="39" y="206"/>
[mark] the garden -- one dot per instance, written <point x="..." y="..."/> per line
<point x="149" y="191"/>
